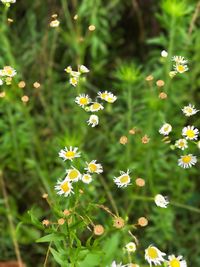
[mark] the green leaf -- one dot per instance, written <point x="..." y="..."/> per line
<point x="51" y="238"/>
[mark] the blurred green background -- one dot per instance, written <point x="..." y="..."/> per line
<point x="120" y="53"/>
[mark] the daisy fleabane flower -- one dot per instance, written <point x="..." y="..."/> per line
<point x="83" y="69"/>
<point x="96" y="107"/>
<point x="93" y="120"/>
<point x="123" y="180"/>
<point x="164" y="53"/>
<point x="103" y="95"/>
<point x="73" y="81"/>
<point x="86" y="178"/>
<point x="83" y="100"/>
<point x="180" y="64"/>
<point x="189" y="110"/>
<point x="1" y="82"/>
<point x="70" y="153"/>
<point x="180" y="68"/>
<point x="94" y="167"/>
<point x="187" y="161"/>
<point x="161" y="201"/>
<point x="64" y="188"/>
<point x="179" y="60"/>
<point x="131" y="247"/>
<point x="8" y="1"/>
<point x="73" y="175"/>
<point x="181" y="144"/>
<point x="176" y="261"/>
<point x="190" y="133"/>
<point x="8" y="71"/>
<point x="154" y="255"/>
<point x="110" y="98"/>
<point x="165" y="129"/>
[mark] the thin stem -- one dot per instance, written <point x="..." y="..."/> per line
<point x="10" y="220"/>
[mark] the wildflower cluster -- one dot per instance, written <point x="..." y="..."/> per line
<point x="73" y="175"/>
<point x="75" y="75"/>
<point x="54" y="21"/>
<point x="6" y="75"/>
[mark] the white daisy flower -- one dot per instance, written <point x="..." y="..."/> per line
<point x="83" y="100"/>
<point x="83" y="69"/>
<point x="161" y="201"/>
<point x="189" y="110"/>
<point x="94" y="167"/>
<point x="164" y="53"/>
<point x="73" y="81"/>
<point x="154" y="255"/>
<point x="103" y="95"/>
<point x="86" y="178"/>
<point x="9" y="71"/>
<point x="70" y="153"/>
<point x="176" y="261"/>
<point x="8" y="1"/>
<point x="75" y="74"/>
<point x="187" y="161"/>
<point x="73" y="175"/>
<point x="68" y="69"/>
<point x="131" y="247"/>
<point x="180" y="68"/>
<point x="64" y="188"/>
<point x="182" y="144"/>
<point x="110" y="98"/>
<point x="54" y="23"/>
<point x="93" y="120"/>
<point x="165" y="129"/>
<point x="96" y="107"/>
<point x="179" y="60"/>
<point x="1" y="82"/>
<point x="190" y="133"/>
<point x="123" y="180"/>
<point x="114" y="264"/>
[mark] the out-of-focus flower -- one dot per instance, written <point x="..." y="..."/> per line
<point x="123" y="180"/>
<point x="73" y="81"/>
<point x="93" y="120"/>
<point x="131" y="247"/>
<point x="189" y="110"/>
<point x="161" y="201"/>
<point x="181" y="143"/>
<point x="86" y="178"/>
<point x="83" y="100"/>
<point x="164" y="53"/>
<point x="165" y="129"/>
<point x="96" y="107"/>
<point x="54" y="23"/>
<point x="83" y="69"/>
<point x="187" y="161"/>
<point x="123" y="140"/>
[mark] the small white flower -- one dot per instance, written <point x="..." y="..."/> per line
<point x="54" y="23"/>
<point x="64" y="188"/>
<point x="154" y="255"/>
<point x="68" y="69"/>
<point x="189" y="110"/>
<point x="94" y="167"/>
<point x="103" y="95"/>
<point x="165" y="129"/>
<point x="182" y="144"/>
<point x="123" y="180"/>
<point x="73" y="175"/>
<point x="86" y="178"/>
<point x="83" y="69"/>
<point x="8" y="71"/>
<point x="190" y="133"/>
<point x="131" y="247"/>
<point x="110" y="98"/>
<point x="8" y="1"/>
<point x="93" y="120"/>
<point x="164" y="53"/>
<point x="176" y="261"/>
<point x="1" y="82"/>
<point x="187" y="161"/>
<point x="96" y="107"/>
<point x="180" y="68"/>
<point x="161" y="201"/>
<point x="73" y="81"/>
<point x="83" y="100"/>
<point x="114" y="264"/>
<point x="75" y="74"/>
<point x="70" y="153"/>
<point x="179" y="60"/>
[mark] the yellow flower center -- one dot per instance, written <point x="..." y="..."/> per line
<point x="152" y="252"/>
<point x="180" y="68"/>
<point x="174" y="263"/>
<point x="190" y="133"/>
<point x="65" y="187"/>
<point x="104" y="95"/>
<point x="70" y="154"/>
<point x="110" y="99"/>
<point x="189" y="110"/>
<point x="83" y="101"/>
<point x="92" y="167"/>
<point x="181" y="144"/>
<point x="166" y="128"/>
<point x="186" y="159"/>
<point x="87" y="177"/>
<point x="124" y="179"/>
<point x="73" y="174"/>
<point x="9" y="72"/>
<point x="96" y="106"/>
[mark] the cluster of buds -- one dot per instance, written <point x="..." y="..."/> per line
<point x="75" y="75"/>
